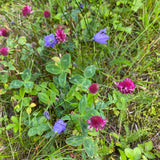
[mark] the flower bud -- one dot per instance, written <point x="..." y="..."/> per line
<point x="47" y="14"/>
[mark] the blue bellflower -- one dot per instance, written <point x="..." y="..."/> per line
<point x="101" y="37"/>
<point x="59" y="126"/>
<point x="46" y="114"/>
<point x="81" y="5"/>
<point x="50" y="41"/>
<point x="74" y="64"/>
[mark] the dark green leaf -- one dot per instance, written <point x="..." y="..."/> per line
<point x="89" y="71"/>
<point x="82" y="104"/>
<point x="51" y="68"/>
<point x="122" y="155"/>
<point x="26" y="75"/>
<point x="74" y="140"/>
<point x="148" y="146"/>
<point x="77" y="79"/>
<point x="16" y="84"/>
<point x="129" y="153"/>
<point x="44" y="98"/>
<point x="137" y="153"/>
<point x="65" y="61"/>
<point x="28" y="84"/>
<point x="32" y="131"/>
<point x="22" y="92"/>
<point x="88" y="146"/>
<point x="149" y="155"/>
<point x="62" y="79"/>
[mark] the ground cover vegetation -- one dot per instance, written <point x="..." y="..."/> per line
<point x="79" y="79"/>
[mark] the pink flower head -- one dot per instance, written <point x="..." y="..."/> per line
<point x="96" y="122"/>
<point x="47" y="14"/>
<point x="126" y="86"/>
<point x="27" y="10"/>
<point x="93" y="88"/>
<point x="4" y="32"/>
<point x="4" y="51"/>
<point x="60" y="35"/>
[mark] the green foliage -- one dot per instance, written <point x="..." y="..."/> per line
<point x="38" y="126"/>
<point x="35" y="78"/>
<point x="138" y="152"/>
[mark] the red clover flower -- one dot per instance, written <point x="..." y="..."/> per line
<point x="60" y="35"/>
<point x="4" y="32"/>
<point x="27" y="10"/>
<point x="4" y="51"/>
<point x="93" y="88"/>
<point x="126" y="86"/>
<point x="47" y="14"/>
<point x="96" y="122"/>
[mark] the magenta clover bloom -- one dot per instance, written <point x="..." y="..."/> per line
<point x="47" y="14"/>
<point x="46" y="114"/>
<point x="4" y="51"/>
<point x="59" y="126"/>
<point x="96" y="122"/>
<point x="4" y="32"/>
<point x="60" y="35"/>
<point x="50" y="41"/>
<point x="126" y="86"/>
<point x="27" y="10"/>
<point x="93" y="88"/>
<point x="101" y="37"/>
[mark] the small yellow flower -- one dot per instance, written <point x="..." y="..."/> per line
<point x="29" y="109"/>
<point x="56" y="60"/>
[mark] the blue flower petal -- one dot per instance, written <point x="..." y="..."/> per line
<point x="59" y="126"/>
<point x="101" y="37"/>
<point x="46" y="114"/>
<point x="50" y="41"/>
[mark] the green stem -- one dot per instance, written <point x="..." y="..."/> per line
<point x="20" y="119"/>
<point x="94" y="102"/>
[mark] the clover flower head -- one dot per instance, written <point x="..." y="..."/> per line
<point x="50" y="41"/>
<point x="27" y="10"/>
<point x="60" y="35"/>
<point x="126" y="86"/>
<point x="96" y="122"/>
<point x="59" y="126"/>
<point x="47" y="14"/>
<point x="101" y="37"/>
<point x="93" y="88"/>
<point x="4" y="32"/>
<point x="46" y="114"/>
<point x="4" y="51"/>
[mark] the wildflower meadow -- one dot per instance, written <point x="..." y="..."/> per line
<point x="79" y="80"/>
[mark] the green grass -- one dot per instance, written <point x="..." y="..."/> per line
<point x="132" y="52"/>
